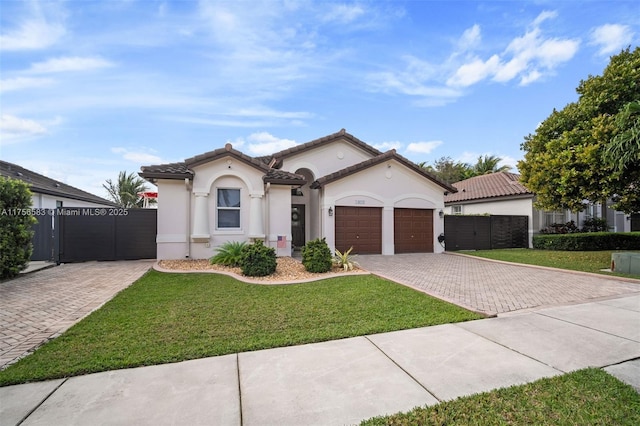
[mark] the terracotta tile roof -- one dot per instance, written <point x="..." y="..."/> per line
<point x="222" y="152"/>
<point x="44" y="185"/>
<point x="492" y="185"/>
<point x="342" y="134"/>
<point x="280" y="177"/>
<point x="389" y="155"/>
<point x="183" y="170"/>
<point x="166" y="171"/>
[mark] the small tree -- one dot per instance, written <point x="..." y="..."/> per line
<point x="15" y="227"/>
<point x="125" y="190"/>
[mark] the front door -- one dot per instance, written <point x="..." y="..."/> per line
<point x="297" y="225"/>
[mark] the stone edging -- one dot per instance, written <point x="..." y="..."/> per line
<point x="157" y="267"/>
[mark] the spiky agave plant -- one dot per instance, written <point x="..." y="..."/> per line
<point x="345" y="260"/>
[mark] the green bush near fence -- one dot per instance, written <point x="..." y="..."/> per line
<point x="588" y="241"/>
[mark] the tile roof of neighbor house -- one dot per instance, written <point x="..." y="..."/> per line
<point x="389" y="155"/>
<point x="492" y="185"/>
<point x="44" y="185"/>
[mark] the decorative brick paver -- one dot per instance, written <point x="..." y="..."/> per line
<point x="493" y="287"/>
<point x="39" y="306"/>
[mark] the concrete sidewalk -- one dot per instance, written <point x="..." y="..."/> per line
<point x="345" y="381"/>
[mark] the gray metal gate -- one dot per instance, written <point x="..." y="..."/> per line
<point x="43" y="238"/>
<point x="485" y="232"/>
<point x="83" y="234"/>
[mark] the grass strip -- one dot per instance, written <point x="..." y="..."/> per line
<point x="584" y="397"/>
<point x="166" y="317"/>
<point x="585" y="261"/>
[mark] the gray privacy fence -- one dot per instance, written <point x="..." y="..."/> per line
<point x="485" y="232"/>
<point x="83" y="234"/>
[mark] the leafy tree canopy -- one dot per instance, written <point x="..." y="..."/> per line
<point x="15" y="227"/>
<point x="589" y="150"/>
<point x="125" y="190"/>
<point x="448" y="170"/>
<point x="454" y="171"/>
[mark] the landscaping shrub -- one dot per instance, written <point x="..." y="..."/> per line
<point x="595" y="225"/>
<point x="258" y="260"/>
<point x="229" y="254"/>
<point x="561" y="228"/>
<point x="15" y="227"/>
<point x="316" y="256"/>
<point x="588" y="241"/>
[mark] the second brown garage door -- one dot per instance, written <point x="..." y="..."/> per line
<point x="360" y="228"/>
<point x="413" y="230"/>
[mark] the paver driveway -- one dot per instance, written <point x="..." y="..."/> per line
<point x="41" y="305"/>
<point x="493" y="287"/>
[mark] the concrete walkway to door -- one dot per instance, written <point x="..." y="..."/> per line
<point x="494" y="287"/>
<point x="41" y="305"/>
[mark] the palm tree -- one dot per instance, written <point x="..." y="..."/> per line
<point x="126" y="189"/>
<point x="489" y="164"/>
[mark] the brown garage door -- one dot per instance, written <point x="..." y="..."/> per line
<point x="413" y="230"/>
<point x="360" y="228"/>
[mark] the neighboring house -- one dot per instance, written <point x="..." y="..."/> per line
<point x="48" y="193"/>
<point x="503" y="194"/>
<point x="336" y="187"/>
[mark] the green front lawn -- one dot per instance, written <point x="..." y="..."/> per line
<point x="584" y="397"/>
<point x="585" y="261"/>
<point x="165" y="318"/>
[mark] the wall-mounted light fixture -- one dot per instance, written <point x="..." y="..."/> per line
<point x="441" y="214"/>
<point x="330" y="211"/>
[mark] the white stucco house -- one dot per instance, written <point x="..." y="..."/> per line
<point x="47" y="193"/>
<point x="503" y="194"/>
<point x="336" y="187"/>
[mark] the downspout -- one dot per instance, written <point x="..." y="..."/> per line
<point x="267" y="216"/>
<point x="188" y="188"/>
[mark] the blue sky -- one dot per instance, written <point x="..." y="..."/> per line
<point x="90" y="88"/>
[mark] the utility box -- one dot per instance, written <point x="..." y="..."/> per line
<point x="626" y="263"/>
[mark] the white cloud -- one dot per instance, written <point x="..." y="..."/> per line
<point x="417" y="79"/>
<point x="529" y="58"/>
<point x="386" y="146"/>
<point x="21" y="83"/>
<point x="474" y="71"/>
<point x="544" y="15"/>
<point x="610" y="38"/>
<point x="423" y="147"/>
<point x="31" y="34"/>
<point x="343" y="13"/>
<point x="14" y="129"/>
<point x="73" y="63"/>
<point x="471" y="38"/>
<point x="264" y="143"/>
<point x="143" y="156"/>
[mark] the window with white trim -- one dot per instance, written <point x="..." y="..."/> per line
<point x="456" y="209"/>
<point x="553" y="217"/>
<point x="228" y="208"/>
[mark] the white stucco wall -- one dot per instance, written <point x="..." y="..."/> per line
<point x="46" y="201"/>
<point x="279" y="218"/>
<point x="324" y="160"/>
<point x="388" y="185"/>
<point x="173" y="224"/>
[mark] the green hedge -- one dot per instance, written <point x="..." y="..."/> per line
<point x="588" y="241"/>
